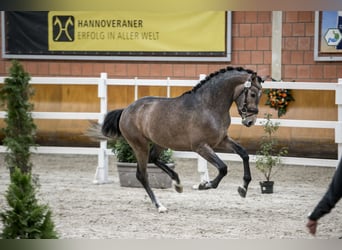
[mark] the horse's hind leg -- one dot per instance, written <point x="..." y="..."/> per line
<point x="142" y="156"/>
<point x="154" y="157"/>
<point x="142" y="177"/>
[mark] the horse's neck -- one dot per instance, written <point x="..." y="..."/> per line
<point x="220" y="95"/>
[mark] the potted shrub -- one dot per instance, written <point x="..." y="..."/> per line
<point x="127" y="166"/>
<point x="268" y="157"/>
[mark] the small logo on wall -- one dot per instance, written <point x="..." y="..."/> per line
<point x="63" y="28"/>
<point x="333" y="37"/>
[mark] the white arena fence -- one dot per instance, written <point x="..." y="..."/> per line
<point x="101" y="175"/>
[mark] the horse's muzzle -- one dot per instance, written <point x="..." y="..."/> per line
<point x="249" y="121"/>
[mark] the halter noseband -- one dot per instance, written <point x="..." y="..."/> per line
<point x="245" y="110"/>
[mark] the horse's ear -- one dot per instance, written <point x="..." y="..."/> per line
<point x="257" y="80"/>
<point x="265" y="77"/>
<point x="248" y="81"/>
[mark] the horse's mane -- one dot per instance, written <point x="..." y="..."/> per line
<point x="215" y="74"/>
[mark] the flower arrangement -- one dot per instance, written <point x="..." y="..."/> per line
<point x="279" y="99"/>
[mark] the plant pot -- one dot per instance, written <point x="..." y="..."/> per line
<point x="266" y="187"/>
<point x="157" y="177"/>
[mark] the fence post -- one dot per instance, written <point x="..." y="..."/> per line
<point x="101" y="175"/>
<point x="136" y="94"/>
<point x="168" y="88"/>
<point x="338" y="129"/>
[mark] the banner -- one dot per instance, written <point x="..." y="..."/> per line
<point x="117" y="33"/>
<point x="136" y="31"/>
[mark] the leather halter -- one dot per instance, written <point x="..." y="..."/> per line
<point x="245" y="111"/>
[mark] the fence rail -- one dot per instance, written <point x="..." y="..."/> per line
<point x="101" y="175"/>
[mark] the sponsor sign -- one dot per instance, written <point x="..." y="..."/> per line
<point x="117" y="33"/>
<point x="136" y="31"/>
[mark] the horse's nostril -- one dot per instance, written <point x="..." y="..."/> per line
<point x="249" y="123"/>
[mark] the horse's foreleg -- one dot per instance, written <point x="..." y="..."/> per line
<point x="246" y="169"/>
<point x="229" y="144"/>
<point x="208" y="153"/>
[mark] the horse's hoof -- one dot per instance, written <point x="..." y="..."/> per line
<point x="204" y="186"/>
<point x="162" y="209"/>
<point x="178" y="187"/>
<point x="242" y="191"/>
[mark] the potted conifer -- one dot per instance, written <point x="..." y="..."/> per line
<point x="127" y="166"/>
<point x="268" y="157"/>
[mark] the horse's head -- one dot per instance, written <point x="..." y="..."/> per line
<point x="247" y="96"/>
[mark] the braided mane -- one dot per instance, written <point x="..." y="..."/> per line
<point x="221" y="71"/>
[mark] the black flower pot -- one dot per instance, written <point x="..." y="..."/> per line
<point x="266" y="187"/>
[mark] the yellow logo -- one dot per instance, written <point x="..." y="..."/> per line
<point x="63" y="28"/>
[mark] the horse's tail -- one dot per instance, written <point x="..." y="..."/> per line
<point x="109" y="129"/>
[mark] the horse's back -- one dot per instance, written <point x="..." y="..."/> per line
<point x="155" y="108"/>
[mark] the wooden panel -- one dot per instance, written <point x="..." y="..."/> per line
<point x="177" y="91"/>
<point x="64" y="98"/>
<point x="120" y="96"/>
<point x="152" y="91"/>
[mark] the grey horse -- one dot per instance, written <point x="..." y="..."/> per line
<point x="195" y="121"/>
